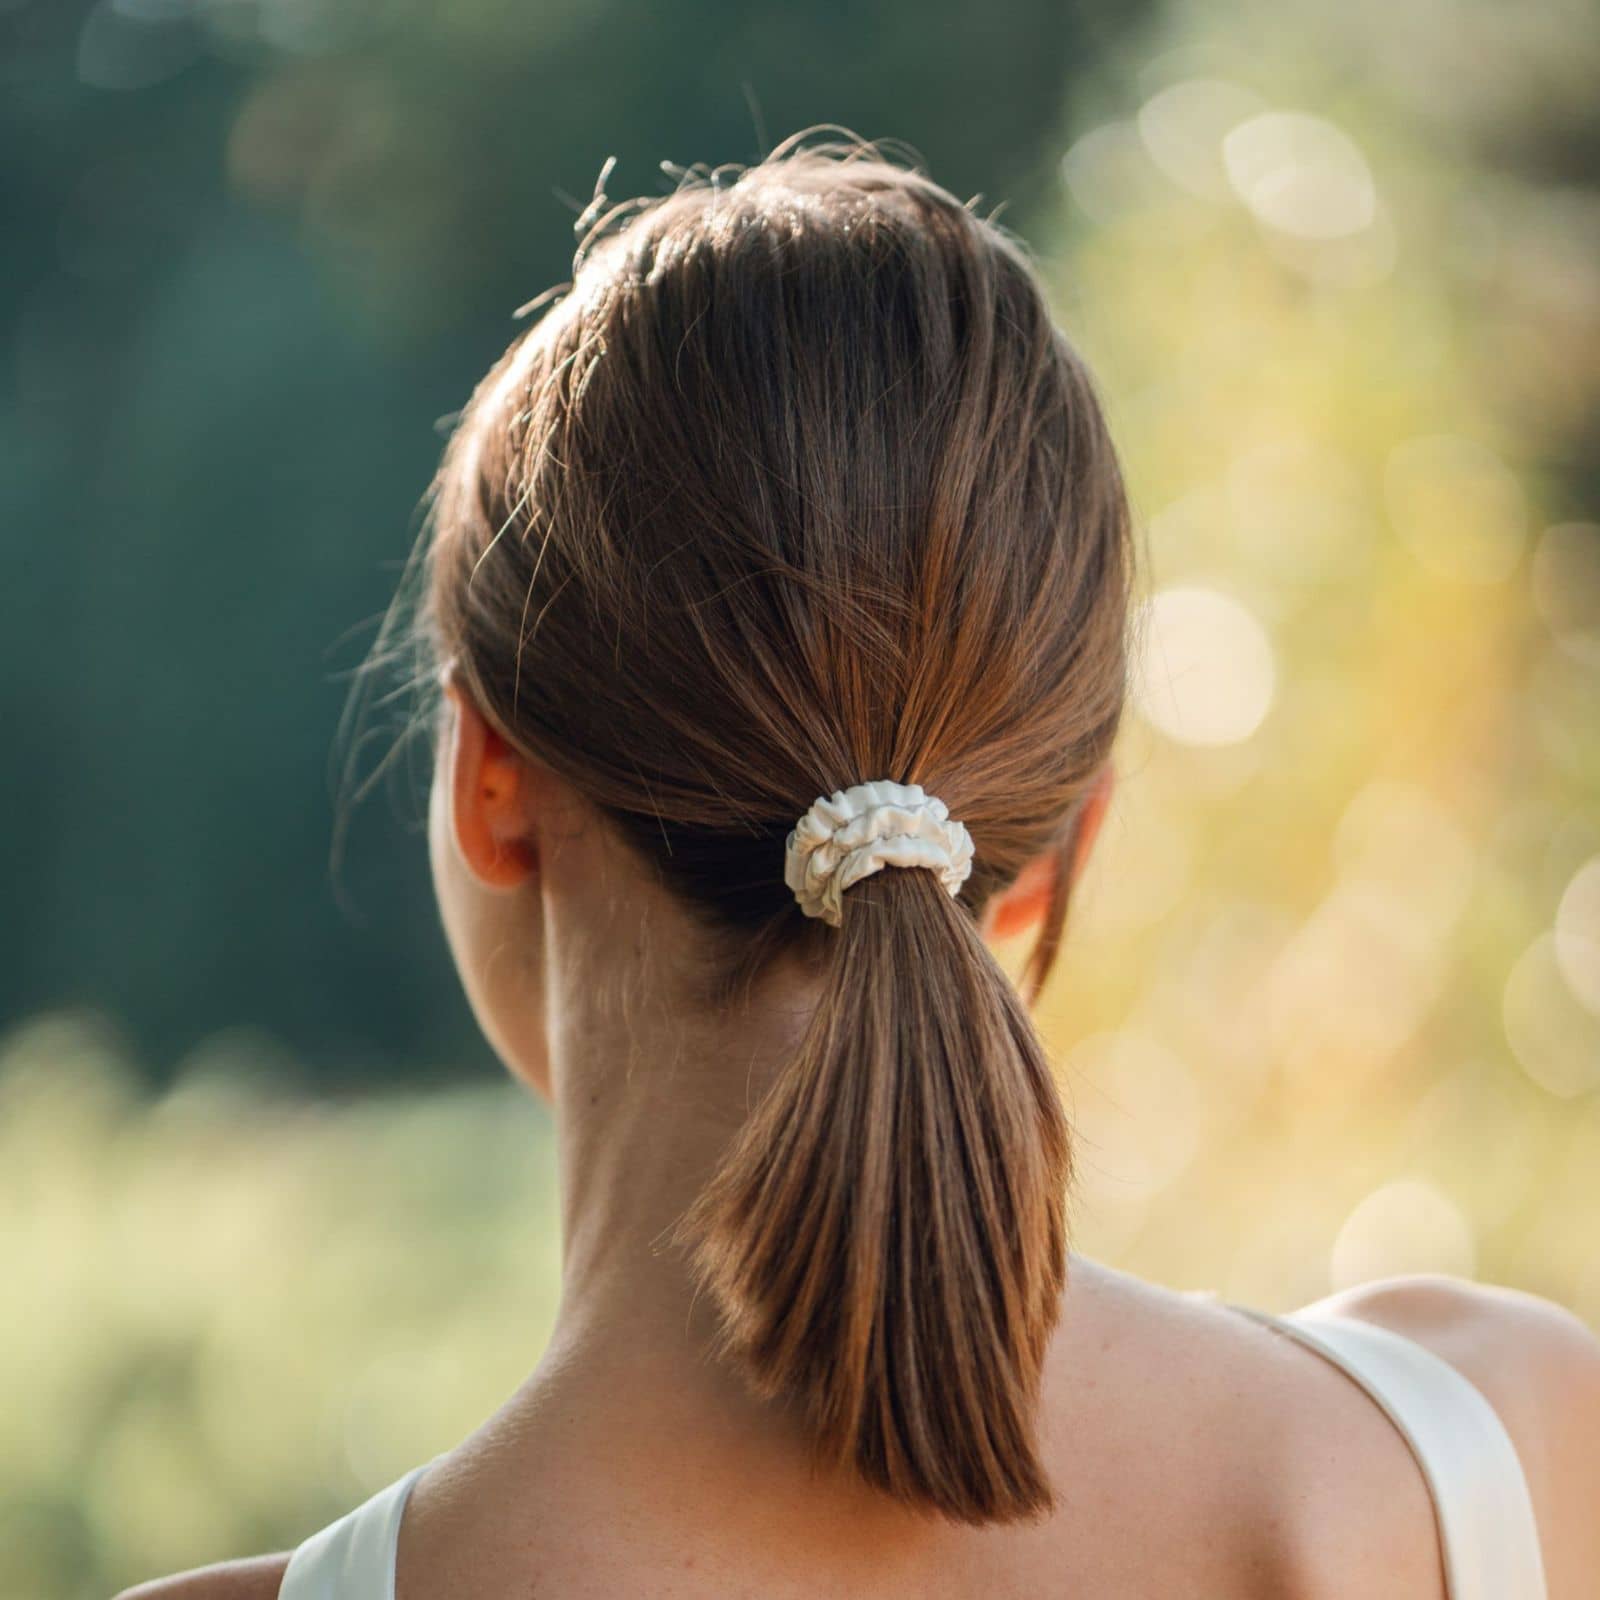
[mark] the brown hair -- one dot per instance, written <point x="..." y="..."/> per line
<point x="796" y="486"/>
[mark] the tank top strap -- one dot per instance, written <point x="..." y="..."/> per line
<point x="353" y="1558"/>
<point x="1487" y="1532"/>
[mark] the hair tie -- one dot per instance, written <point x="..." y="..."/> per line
<point x="854" y="832"/>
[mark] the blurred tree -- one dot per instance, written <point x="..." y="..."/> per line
<point x="254" y="249"/>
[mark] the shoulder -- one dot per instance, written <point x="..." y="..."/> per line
<point x="258" y="1578"/>
<point x="1538" y="1365"/>
<point x="1473" y="1320"/>
<point x="1271" y="1458"/>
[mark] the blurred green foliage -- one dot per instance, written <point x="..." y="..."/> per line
<point x="1330" y="1005"/>
<point x="230" y="1308"/>
<point x="255" y="248"/>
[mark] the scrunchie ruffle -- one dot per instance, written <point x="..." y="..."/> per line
<point x="854" y="832"/>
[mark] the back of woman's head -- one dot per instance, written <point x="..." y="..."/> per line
<point x="797" y="487"/>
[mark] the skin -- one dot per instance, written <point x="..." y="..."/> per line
<point x="1196" y="1452"/>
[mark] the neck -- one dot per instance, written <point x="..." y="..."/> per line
<point x="648" y="1094"/>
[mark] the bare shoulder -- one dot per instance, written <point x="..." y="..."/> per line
<point x="258" y="1578"/>
<point x="1478" y="1322"/>
<point x="1538" y="1365"/>
<point x="1308" y="1490"/>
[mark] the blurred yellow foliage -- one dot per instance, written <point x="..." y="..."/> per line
<point x="1330" y="1006"/>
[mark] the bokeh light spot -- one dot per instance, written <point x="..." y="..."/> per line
<point x="1406" y="1226"/>
<point x="1577" y="935"/>
<point x="1183" y="127"/>
<point x="1301" y="175"/>
<point x="1205" y="674"/>
<point x="1555" y="1038"/>
<point x="135" y="46"/>
<point x="1109" y="174"/>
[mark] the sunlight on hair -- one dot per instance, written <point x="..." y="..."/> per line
<point x="1405" y="1226"/>
<point x="1206" y="675"/>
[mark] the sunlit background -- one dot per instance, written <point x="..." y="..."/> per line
<point x="273" y="1228"/>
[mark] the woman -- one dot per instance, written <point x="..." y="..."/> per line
<point x="777" y="588"/>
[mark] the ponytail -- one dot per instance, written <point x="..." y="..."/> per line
<point x="886" y="1237"/>
<point x="798" y="481"/>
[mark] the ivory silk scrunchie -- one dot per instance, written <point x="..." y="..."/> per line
<point x="854" y="832"/>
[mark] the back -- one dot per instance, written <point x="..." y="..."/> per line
<point x="1198" y="1486"/>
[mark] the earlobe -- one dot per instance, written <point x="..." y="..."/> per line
<point x="1023" y="904"/>
<point x="1095" y="805"/>
<point x="488" y="798"/>
<point x="1020" y="905"/>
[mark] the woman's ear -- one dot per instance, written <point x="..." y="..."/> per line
<point x="490" y="811"/>
<point x="1094" y="813"/>
<point x="1023" y="904"/>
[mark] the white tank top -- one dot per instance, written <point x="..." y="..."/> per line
<point x="1487" y="1532"/>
